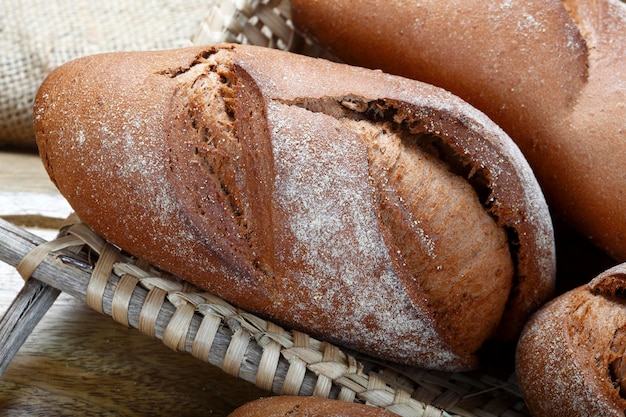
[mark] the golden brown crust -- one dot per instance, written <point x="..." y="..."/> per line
<point x="550" y="73"/>
<point x="307" y="407"/>
<point x="569" y="358"/>
<point x="268" y="185"/>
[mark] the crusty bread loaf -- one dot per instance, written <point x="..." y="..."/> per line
<point x="549" y="72"/>
<point x="570" y="358"/>
<point x="370" y="210"/>
<point x="286" y="406"/>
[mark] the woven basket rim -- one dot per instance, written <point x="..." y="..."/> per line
<point x="282" y="361"/>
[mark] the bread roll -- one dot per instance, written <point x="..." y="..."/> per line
<point x="570" y="358"/>
<point x="286" y="406"/>
<point x="373" y="211"/>
<point x="551" y="73"/>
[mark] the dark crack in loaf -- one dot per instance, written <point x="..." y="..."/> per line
<point x="378" y="213"/>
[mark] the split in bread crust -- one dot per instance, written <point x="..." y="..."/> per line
<point x="417" y="180"/>
<point x="551" y="73"/>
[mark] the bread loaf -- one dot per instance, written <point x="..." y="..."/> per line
<point x="373" y="211"/>
<point x="286" y="406"/>
<point x="570" y="358"/>
<point x="551" y="73"/>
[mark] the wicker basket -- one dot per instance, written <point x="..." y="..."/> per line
<point x="256" y="22"/>
<point x="284" y="362"/>
<point x="162" y="306"/>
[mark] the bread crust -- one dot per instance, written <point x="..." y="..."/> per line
<point x="284" y="406"/>
<point x="549" y="72"/>
<point x="206" y="161"/>
<point x="569" y="355"/>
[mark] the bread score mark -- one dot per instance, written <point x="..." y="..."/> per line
<point x="461" y="249"/>
<point x="428" y="153"/>
<point x="448" y="245"/>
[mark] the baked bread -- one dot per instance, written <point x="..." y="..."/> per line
<point x="550" y="73"/>
<point x="373" y="211"/>
<point x="570" y="358"/>
<point x="287" y="406"/>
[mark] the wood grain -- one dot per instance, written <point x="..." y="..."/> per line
<point x="20" y="319"/>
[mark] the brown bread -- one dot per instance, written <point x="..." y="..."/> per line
<point x="285" y="406"/>
<point x="570" y="359"/>
<point x="373" y="211"/>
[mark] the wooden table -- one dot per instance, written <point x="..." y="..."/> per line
<point x="78" y="362"/>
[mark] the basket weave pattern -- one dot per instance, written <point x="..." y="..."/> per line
<point x="256" y="22"/>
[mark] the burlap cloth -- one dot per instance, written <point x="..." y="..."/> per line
<point x="37" y="36"/>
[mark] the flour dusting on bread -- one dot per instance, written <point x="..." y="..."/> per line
<point x="365" y="209"/>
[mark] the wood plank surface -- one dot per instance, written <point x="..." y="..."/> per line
<point x="78" y="362"/>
